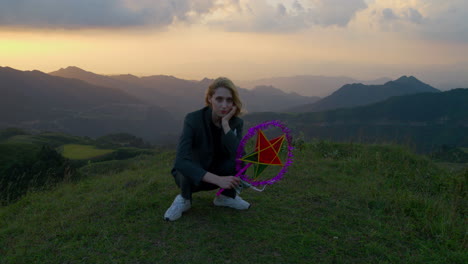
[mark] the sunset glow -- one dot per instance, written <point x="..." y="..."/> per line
<point x="241" y="39"/>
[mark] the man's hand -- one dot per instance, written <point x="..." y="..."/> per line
<point x="229" y="115"/>
<point x="228" y="182"/>
<point x="226" y="118"/>
<point x="224" y="182"/>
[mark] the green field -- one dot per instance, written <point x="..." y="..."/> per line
<point x="339" y="203"/>
<point x="27" y="139"/>
<point x="48" y="138"/>
<point x="80" y="152"/>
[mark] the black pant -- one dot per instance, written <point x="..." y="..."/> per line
<point x="187" y="187"/>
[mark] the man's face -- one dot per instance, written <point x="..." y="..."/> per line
<point x="221" y="102"/>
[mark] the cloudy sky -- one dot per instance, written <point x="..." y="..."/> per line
<point x="241" y="39"/>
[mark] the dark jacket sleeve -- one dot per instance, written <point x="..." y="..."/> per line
<point x="232" y="139"/>
<point x="184" y="159"/>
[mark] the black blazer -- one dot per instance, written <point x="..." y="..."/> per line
<point x="195" y="148"/>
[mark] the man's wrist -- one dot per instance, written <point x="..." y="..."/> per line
<point x="211" y="178"/>
<point x="215" y="179"/>
<point x="226" y="127"/>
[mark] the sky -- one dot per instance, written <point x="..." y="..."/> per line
<point x="240" y="39"/>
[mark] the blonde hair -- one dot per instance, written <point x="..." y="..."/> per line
<point x="228" y="84"/>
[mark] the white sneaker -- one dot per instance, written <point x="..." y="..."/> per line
<point x="236" y="203"/>
<point x="179" y="206"/>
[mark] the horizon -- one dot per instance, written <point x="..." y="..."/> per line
<point x="251" y="84"/>
<point x="243" y="40"/>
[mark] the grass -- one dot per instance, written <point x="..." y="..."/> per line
<point x="453" y="167"/>
<point x="30" y="139"/>
<point x="48" y="138"/>
<point x="17" y="151"/>
<point x="339" y="203"/>
<point x="80" y="152"/>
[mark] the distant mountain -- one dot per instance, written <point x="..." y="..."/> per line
<point x="80" y="74"/>
<point x="182" y="96"/>
<point x="309" y="85"/>
<point x="357" y="94"/>
<point x="35" y="100"/>
<point x="269" y="98"/>
<point x="176" y="95"/>
<point x="129" y="83"/>
<point x="424" y="120"/>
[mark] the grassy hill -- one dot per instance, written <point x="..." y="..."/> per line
<point x="36" y="161"/>
<point x="80" y="152"/>
<point x="426" y="121"/>
<point x="339" y="203"/>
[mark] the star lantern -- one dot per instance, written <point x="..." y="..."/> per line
<point x="265" y="154"/>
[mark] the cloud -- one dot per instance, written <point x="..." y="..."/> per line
<point x="414" y="16"/>
<point x="446" y="20"/>
<point x="388" y="14"/>
<point x="285" y="15"/>
<point x="431" y="19"/>
<point x="297" y="6"/>
<point x="233" y="15"/>
<point x="336" y="12"/>
<point x="75" y="14"/>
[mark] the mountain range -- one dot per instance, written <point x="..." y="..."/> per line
<point x="180" y="96"/>
<point x="357" y="94"/>
<point x="35" y="100"/>
<point x="88" y="104"/>
<point x="309" y="85"/>
<point x="423" y="120"/>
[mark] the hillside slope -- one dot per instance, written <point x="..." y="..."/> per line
<point x="339" y="203"/>
<point x="35" y="100"/>
<point x="424" y="120"/>
<point x="357" y="94"/>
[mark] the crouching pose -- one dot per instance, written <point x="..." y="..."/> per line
<point x="207" y="149"/>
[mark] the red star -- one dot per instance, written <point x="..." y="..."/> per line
<point x="266" y="152"/>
